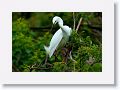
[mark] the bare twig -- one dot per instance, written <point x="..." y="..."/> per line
<point x="40" y="68"/>
<point x="71" y="57"/>
<point x="74" y="20"/>
<point x="46" y="59"/>
<point x="73" y="61"/>
<point x="79" y="23"/>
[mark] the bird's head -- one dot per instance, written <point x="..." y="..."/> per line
<point x="58" y="20"/>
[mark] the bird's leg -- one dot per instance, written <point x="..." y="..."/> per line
<point x="67" y="55"/>
<point x="46" y="59"/>
<point x="55" y="54"/>
<point x="64" y="54"/>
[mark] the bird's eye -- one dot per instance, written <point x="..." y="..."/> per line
<point x="55" y="22"/>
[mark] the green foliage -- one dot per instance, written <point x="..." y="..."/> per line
<point x="28" y="54"/>
<point x="26" y="50"/>
<point x="59" y="67"/>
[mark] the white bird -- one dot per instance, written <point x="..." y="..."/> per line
<point x="60" y="38"/>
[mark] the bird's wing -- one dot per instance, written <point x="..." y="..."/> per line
<point x="67" y="29"/>
<point x="57" y="37"/>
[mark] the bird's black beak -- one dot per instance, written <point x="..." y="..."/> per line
<point x="52" y="27"/>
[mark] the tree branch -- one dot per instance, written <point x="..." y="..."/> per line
<point x="79" y="23"/>
<point x="74" y="20"/>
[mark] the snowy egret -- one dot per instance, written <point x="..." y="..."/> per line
<point x="60" y="38"/>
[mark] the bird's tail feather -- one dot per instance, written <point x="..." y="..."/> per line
<point x="47" y="50"/>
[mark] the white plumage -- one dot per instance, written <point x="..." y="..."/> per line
<point x="60" y="38"/>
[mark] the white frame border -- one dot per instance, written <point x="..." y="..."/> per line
<point x="104" y="77"/>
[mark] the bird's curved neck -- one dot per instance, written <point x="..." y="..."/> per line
<point x="61" y="25"/>
<point x="62" y="28"/>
